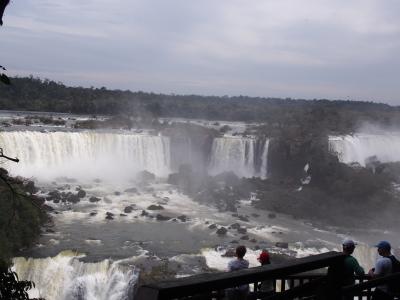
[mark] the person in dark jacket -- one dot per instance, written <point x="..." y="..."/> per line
<point x="266" y="287"/>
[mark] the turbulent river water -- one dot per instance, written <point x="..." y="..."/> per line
<point x="88" y="256"/>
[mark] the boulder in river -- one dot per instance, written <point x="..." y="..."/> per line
<point x="243" y="218"/>
<point x="212" y="226"/>
<point x="235" y="226"/>
<point x="242" y="230"/>
<point x="94" y="199"/>
<point x="72" y="198"/>
<point x="182" y="218"/>
<point x="109" y="216"/>
<point x="230" y="252"/>
<point x="283" y="245"/>
<point x="81" y="193"/>
<point x="160" y="217"/>
<point x="222" y="231"/>
<point x="128" y="209"/>
<point x="54" y="195"/>
<point x="155" y="207"/>
<point x="144" y="213"/>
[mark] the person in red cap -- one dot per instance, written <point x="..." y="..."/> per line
<point x="266" y="287"/>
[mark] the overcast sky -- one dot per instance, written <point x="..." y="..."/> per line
<point x="342" y="49"/>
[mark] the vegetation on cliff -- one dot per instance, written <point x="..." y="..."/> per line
<point x="21" y="215"/>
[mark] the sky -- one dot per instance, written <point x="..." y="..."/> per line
<point x="342" y="49"/>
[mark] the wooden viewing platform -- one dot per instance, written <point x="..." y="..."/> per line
<point x="290" y="283"/>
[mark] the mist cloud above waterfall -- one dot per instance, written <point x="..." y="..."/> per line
<point x="376" y="128"/>
<point x="311" y="49"/>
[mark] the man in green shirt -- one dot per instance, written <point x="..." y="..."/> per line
<point x="351" y="265"/>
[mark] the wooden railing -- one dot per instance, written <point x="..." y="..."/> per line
<point x="289" y="279"/>
<point x="212" y="286"/>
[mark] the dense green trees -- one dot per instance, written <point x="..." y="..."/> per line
<point x="334" y="116"/>
<point x="21" y="216"/>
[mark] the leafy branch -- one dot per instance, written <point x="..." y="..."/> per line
<point x="3" y="77"/>
<point x="10" y="285"/>
<point x="3" y="4"/>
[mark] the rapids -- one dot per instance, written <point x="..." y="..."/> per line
<point x="103" y="264"/>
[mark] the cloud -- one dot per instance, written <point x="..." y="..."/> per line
<point x="296" y="48"/>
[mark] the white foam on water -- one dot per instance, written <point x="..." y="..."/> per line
<point x="64" y="277"/>
<point x="307" y="251"/>
<point x="216" y="261"/>
<point x="94" y="242"/>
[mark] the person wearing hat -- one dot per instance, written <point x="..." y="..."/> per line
<point x="383" y="267"/>
<point x="266" y="287"/>
<point x="351" y="265"/>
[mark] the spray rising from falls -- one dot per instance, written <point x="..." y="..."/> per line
<point x="360" y="147"/>
<point x="85" y="154"/>
<point x="116" y="156"/>
<point x="246" y="157"/>
<point x="64" y="277"/>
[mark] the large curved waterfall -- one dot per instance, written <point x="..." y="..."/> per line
<point x="89" y="154"/>
<point x="65" y="277"/>
<point x="359" y="147"/>
<point x="85" y="154"/>
<point x="246" y="157"/>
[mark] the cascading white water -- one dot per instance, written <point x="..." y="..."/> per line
<point x="85" y="154"/>
<point x="264" y="160"/>
<point x="239" y="155"/>
<point x="64" y="277"/>
<point x="359" y="147"/>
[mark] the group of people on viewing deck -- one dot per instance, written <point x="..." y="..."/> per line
<point x="266" y="287"/>
<point x="386" y="264"/>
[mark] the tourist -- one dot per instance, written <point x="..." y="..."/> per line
<point x="351" y="265"/>
<point x="239" y="292"/>
<point x="266" y="287"/>
<point x="383" y="267"/>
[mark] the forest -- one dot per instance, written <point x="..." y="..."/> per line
<point x="336" y="116"/>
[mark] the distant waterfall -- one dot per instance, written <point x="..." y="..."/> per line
<point x="85" y="154"/>
<point x="243" y="156"/>
<point x="359" y="147"/>
<point x="64" y="277"/>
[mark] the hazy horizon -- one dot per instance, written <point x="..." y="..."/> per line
<point x="204" y="95"/>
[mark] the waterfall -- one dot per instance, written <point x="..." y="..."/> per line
<point x="239" y="155"/>
<point x="116" y="156"/>
<point x="65" y="277"/>
<point x="85" y="154"/>
<point x="264" y="160"/>
<point x="359" y="147"/>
